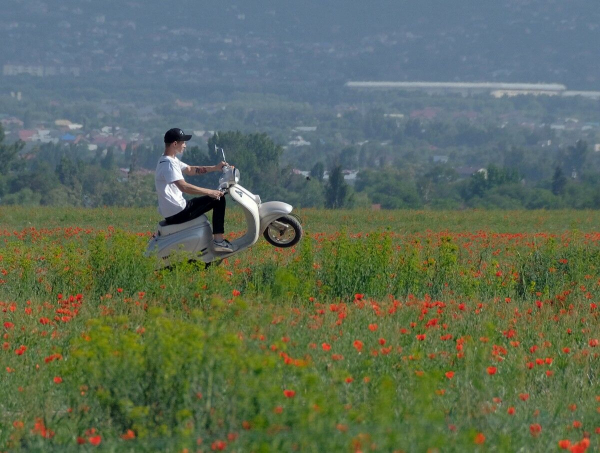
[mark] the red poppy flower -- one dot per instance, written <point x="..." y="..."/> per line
<point x="449" y="374"/>
<point x="479" y="439"/>
<point x="491" y="370"/>
<point x="580" y="447"/>
<point x="95" y="440"/>
<point x="289" y="393"/>
<point x="130" y="434"/>
<point x="564" y="444"/>
<point x="535" y="429"/>
<point x="341" y="427"/>
<point x="58" y="380"/>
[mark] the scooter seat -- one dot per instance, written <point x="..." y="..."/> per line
<point x="165" y="230"/>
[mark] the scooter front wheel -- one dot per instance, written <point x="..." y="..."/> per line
<point x="284" y="232"/>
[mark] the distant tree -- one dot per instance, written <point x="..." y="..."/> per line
<point x="576" y="156"/>
<point x="27" y="119"/>
<point x="413" y="128"/>
<point x="376" y="125"/>
<point x="392" y="188"/>
<point x="67" y="171"/>
<point x="318" y="171"/>
<point x="109" y="160"/>
<point x="497" y="176"/>
<point x="349" y="157"/>
<point x="8" y="153"/>
<point x="132" y="154"/>
<point x="24" y="197"/>
<point x="559" y="181"/>
<point x="256" y="155"/>
<point x="436" y="182"/>
<point x="477" y="186"/>
<point x="336" y="189"/>
<point x="514" y="157"/>
<point x="42" y="179"/>
<point x="302" y="192"/>
<point x="493" y="176"/>
<point x="541" y="199"/>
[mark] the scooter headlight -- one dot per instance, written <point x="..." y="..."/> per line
<point x="230" y="176"/>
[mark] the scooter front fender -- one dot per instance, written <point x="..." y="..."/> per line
<point x="272" y="210"/>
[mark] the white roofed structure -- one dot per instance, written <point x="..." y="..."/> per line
<point x="463" y="87"/>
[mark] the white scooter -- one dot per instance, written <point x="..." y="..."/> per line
<point x="193" y="240"/>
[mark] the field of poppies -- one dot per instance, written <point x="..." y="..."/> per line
<point x="380" y="331"/>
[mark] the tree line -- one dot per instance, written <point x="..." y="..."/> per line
<point x="68" y="175"/>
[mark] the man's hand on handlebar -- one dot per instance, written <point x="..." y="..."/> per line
<point x="220" y="165"/>
<point x="216" y="194"/>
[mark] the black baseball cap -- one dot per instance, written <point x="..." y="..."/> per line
<point x="176" y="135"/>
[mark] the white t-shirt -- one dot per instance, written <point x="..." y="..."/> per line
<point x="170" y="198"/>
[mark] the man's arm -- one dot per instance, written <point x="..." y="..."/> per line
<point x="195" y="190"/>
<point x="196" y="170"/>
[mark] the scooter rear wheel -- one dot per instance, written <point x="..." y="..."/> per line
<point x="284" y="232"/>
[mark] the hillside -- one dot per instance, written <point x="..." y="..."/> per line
<point x="269" y="44"/>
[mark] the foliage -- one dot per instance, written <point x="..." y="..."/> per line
<point x="336" y="189"/>
<point x="255" y="154"/>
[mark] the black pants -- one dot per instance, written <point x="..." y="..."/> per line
<point x="195" y="207"/>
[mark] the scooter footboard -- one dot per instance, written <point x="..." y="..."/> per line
<point x="272" y="210"/>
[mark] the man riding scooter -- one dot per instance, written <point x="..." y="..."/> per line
<point x="170" y="187"/>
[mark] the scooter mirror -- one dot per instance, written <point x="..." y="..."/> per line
<point x="217" y="149"/>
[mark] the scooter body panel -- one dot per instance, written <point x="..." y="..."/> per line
<point x="192" y="243"/>
<point x="250" y="203"/>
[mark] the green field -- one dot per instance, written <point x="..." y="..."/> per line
<point x="381" y="331"/>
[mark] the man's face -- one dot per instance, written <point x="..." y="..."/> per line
<point x="179" y="147"/>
